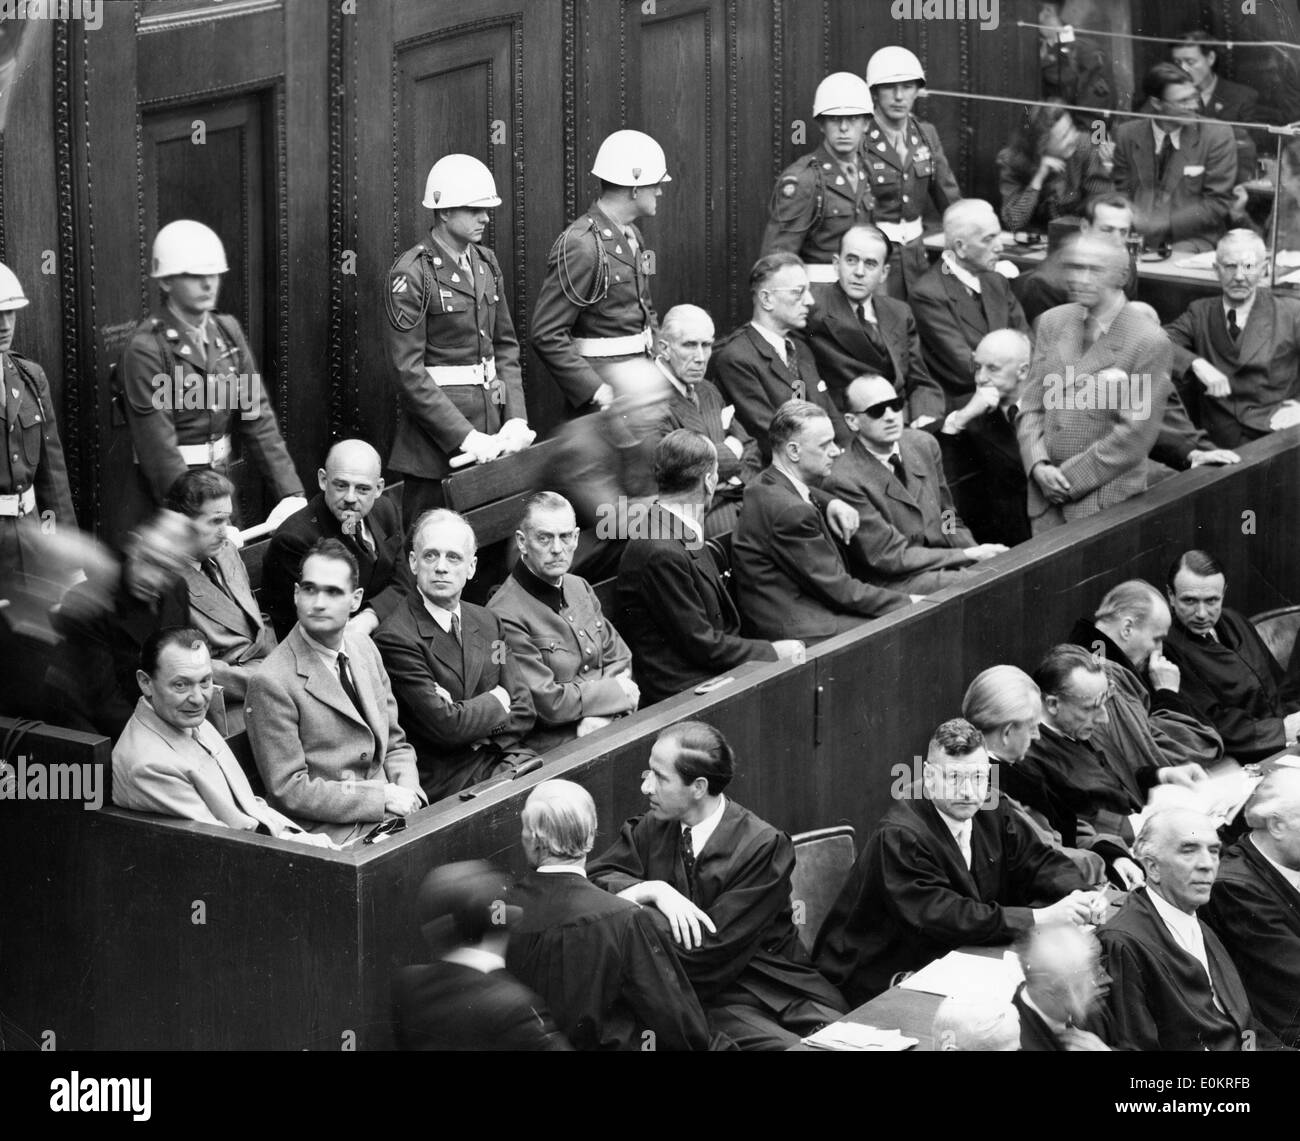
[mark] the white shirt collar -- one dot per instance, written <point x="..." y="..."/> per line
<point x="558" y="869"/>
<point x="1186" y="929"/>
<point x="956" y="827"/>
<point x="1117" y="307"/>
<point x="799" y="485"/>
<point x="960" y="272"/>
<point x="884" y="460"/>
<point x="777" y="342"/>
<point x="701" y="832"/>
<point x="330" y="656"/>
<point x="866" y="307"/>
<point x="1175" y="134"/>
<point x="441" y="616"/>
<point x="692" y="525"/>
<point x="199" y="331"/>
<point x="1243" y="311"/>
<point x="476" y="958"/>
<point x="681" y="387"/>
<point x="1289" y="874"/>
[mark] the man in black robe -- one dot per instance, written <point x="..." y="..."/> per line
<point x="1254" y="908"/>
<point x="1227" y="671"/>
<point x="945" y="869"/>
<point x="1059" y="1002"/>
<point x="598" y="961"/>
<point x="1173" y="986"/>
<point x="721" y="878"/>
<point x="465" y="999"/>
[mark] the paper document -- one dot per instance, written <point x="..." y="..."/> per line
<point x="962" y="975"/>
<point x="852" y="1036"/>
<point x="1220" y="798"/>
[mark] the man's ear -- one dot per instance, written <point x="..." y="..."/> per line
<point x="357" y="596"/>
<point x="145" y="682"/>
<point x="322" y="479"/>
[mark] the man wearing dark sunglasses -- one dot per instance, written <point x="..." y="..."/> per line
<point x="909" y="534"/>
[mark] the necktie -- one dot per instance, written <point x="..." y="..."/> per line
<point x="896" y="462"/>
<point x="455" y="628"/>
<point x="345" y="679"/>
<point x="792" y="363"/>
<point x="963" y="842"/>
<point x="631" y="240"/>
<point x="214" y="575"/>
<point x="688" y="854"/>
<point x="1091" y="331"/>
<point x="364" y="540"/>
<point x="1013" y="410"/>
<point x="871" y="329"/>
<point x="851" y="174"/>
<point x="692" y="395"/>
<point x="1234" y="329"/>
<point x="1162" y="161"/>
<point x="464" y="265"/>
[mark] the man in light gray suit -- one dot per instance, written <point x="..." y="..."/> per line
<point x="1096" y="392"/>
<point x="222" y="607"/>
<point x="321" y="714"/>
<point x="171" y="760"/>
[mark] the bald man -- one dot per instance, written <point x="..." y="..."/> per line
<point x="682" y="353"/>
<point x="993" y="502"/>
<point x="909" y="536"/>
<point x="1173" y="985"/>
<point x="349" y="507"/>
<point x="1255" y="905"/>
<point x="984" y="1025"/>
<point x="1060" y="1000"/>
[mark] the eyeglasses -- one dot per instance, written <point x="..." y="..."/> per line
<point x="795" y="289"/>
<point x="1232" y="266"/>
<point x="876" y="411"/>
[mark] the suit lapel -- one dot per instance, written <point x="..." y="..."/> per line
<point x="232" y="568"/>
<point x="473" y="642"/>
<point x="214" y="603"/>
<point x="322" y="683"/>
<point x="846" y="328"/>
<point x="967" y="306"/>
<point x="1257" y="337"/>
<point x="769" y="354"/>
<point x="893" y="328"/>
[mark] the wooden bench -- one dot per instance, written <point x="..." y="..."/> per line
<point x="491" y="496"/>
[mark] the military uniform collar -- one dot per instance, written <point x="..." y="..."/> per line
<point x="447" y="267"/>
<point x="544" y="592"/>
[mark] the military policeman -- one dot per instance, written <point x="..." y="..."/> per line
<point x="189" y="382"/>
<point x="33" y="478"/>
<point x="824" y="193"/>
<point x="594" y="308"/>
<point x="905" y="162"/>
<point x="451" y="341"/>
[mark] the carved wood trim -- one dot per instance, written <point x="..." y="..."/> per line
<point x="167" y="21"/>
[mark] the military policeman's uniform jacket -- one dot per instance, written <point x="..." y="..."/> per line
<point x="816" y="201"/>
<point x="594" y="306"/>
<point x="191" y="424"/>
<point x="33" y="478"/>
<point x="452" y="343"/>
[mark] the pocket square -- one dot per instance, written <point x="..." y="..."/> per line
<point x="1193" y="171"/>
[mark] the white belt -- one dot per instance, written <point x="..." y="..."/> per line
<point x="818" y="272"/>
<point x="452" y="375"/>
<point x="16" y="506"/>
<point x="213" y="452"/>
<point x="901" y="232"/>
<point x="633" y="343"/>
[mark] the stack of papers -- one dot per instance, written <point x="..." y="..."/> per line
<point x="960" y="974"/>
<point x="1220" y="798"/>
<point x="851" y="1036"/>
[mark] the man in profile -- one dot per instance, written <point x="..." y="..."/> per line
<point x="943" y="870"/>
<point x="599" y="961"/>
<point x="720" y="876"/>
<point x="466" y="999"/>
<point x="172" y="761"/>
<point x="351" y="507"/>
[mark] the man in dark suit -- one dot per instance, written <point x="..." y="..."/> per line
<point x="676" y="611"/>
<point x="1237" y="356"/>
<point x="685" y="346"/>
<point x="945" y="868"/>
<point x="461" y="696"/>
<point x="993" y="502"/>
<point x="349" y="507"/>
<point x="790" y="575"/>
<point x="720" y="876"/>
<point x="221" y="600"/>
<point x="1220" y="98"/>
<point x="1178" y="171"/>
<point x="466" y="999"/>
<point x="962" y="298"/>
<point x="762" y="364"/>
<point x="321" y="716"/>
<point x="855" y="328"/>
<point x="1254" y="907"/>
<point x="1059" y="1001"/>
<point x="600" y="962"/>
<point x="1227" y="673"/>
<point x="1173" y="986"/>
<point x="909" y="537"/>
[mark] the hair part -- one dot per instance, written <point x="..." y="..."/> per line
<point x="190" y="492"/>
<point x="442" y="515"/>
<point x="789" y="421"/>
<point x="187" y="637"/>
<point x="681" y="461"/>
<point x="542" y="501"/>
<point x="1200" y="563"/>
<point x="1000" y="696"/>
<point x="1059" y="665"/>
<point x="1136" y="599"/>
<point x="768" y="266"/>
<point x="331" y="548"/>
<point x="702" y="751"/>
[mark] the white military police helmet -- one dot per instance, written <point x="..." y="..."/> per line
<point x="11" y="290"/>
<point x="460" y="180"/>
<point x="842" y="93"/>
<point x="894" y="65"/>
<point x="631" y="158"/>
<point x="187" y="247"/>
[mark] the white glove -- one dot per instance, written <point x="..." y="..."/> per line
<point x="1287" y="416"/>
<point x="286" y="507"/>
<point x="1007" y="269"/>
<point x="515" y="435"/>
<point x="483" y="448"/>
<point x="603" y="397"/>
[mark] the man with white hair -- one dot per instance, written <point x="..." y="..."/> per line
<point x="598" y="960"/>
<point x="982" y="1024"/>
<point x="1173" y="986"/>
<point x="962" y="297"/>
<point x="1237" y="355"/>
<point x="1255" y="905"/>
<point x="1095" y="397"/>
<point x="1059" y="1001"/>
<point x="683" y="350"/>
